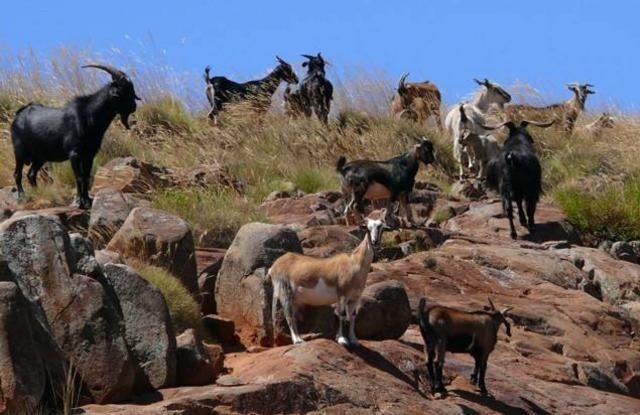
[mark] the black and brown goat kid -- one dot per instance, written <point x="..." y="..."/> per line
<point x="516" y="173"/>
<point x="391" y="179"/>
<point x="446" y="329"/>
<point x="74" y="132"/>
<point x="316" y="92"/>
<point x="220" y="90"/>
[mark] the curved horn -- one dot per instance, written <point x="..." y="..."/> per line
<point x="478" y="82"/>
<point x="508" y="124"/>
<point x="540" y="124"/>
<point x="115" y="73"/>
<point x="280" y="59"/>
<point x="402" y="79"/>
<point x="463" y="115"/>
<point x="493" y="308"/>
<point x="308" y="56"/>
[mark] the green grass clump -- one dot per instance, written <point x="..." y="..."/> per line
<point x="184" y="311"/>
<point x="610" y="213"/>
<point x="165" y="114"/>
<point x="315" y="180"/>
<point x="220" y="212"/>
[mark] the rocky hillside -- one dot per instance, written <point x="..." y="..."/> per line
<point x="82" y="318"/>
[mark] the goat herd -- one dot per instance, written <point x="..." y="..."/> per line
<point x="74" y="132"/>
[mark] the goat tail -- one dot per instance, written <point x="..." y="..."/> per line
<point x="207" y="78"/>
<point x="342" y="160"/>
<point x="420" y="314"/>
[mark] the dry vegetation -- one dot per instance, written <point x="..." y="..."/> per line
<point x="595" y="180"/>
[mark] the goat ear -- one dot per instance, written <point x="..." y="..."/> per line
<point x="505" y="310"/>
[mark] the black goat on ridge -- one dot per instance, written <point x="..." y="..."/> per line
<point x="315" y="92"/>
<point x="516" y="173"/>
<point x="220" y="90"/>
<point x="74" y="132"/>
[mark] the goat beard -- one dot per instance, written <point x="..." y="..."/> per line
<point x="124" y="119"/>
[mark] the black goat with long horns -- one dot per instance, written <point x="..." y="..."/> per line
<point x="74" y="132"/>
<point x="315" y="92"/>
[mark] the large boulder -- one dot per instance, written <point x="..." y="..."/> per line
<point x="128" y="175"/>
<point x="148" y="329"/>
<point x="161" y="239"/>
<point x="71" y="218"/>
<point x="385" y="312"/>
<point x="73" y="310"/>
<point x="244" y="294"/>
<point x="109" y="210"/>
<point x="22" y="370"/>
<point x="194" y="364"/>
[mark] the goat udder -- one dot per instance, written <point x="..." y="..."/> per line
<point x="377" y="191"/>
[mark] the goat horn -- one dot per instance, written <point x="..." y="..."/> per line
<point x="508" y="124"/>
<point x="463" y="115"/>
<point x="589" y="85"/>
<point x="478" y="82"/>
<point x="116" y="74"/>
<point x="491" y="304"/>
<point x="540" y="124"/>
<point x="308" y="56"/>
<point x="402" y="79"/>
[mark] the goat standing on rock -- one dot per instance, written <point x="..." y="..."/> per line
<point x="446" y="329"/>
<point x="303" y="280"/>
<point x="74" y="132"/>
<point x="391" y="179"/>
<point x="516" y="173"/>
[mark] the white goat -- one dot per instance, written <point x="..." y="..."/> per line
<point x="480" y="148"/>
<point x="490" y="95"/>
<point x="303" y="280"/>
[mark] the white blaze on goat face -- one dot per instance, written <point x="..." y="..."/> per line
<point x="374" y="227"/>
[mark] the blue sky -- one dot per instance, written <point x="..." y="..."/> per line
<point x="544" y="43"/>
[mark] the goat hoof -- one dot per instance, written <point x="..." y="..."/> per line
<point x="514" y="235"/>
<point x="343" y="341"/>
<point x="354" y="342"/>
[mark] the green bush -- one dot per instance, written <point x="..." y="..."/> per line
<point x="184" y="311"/>
<point x="220" y="212"/>
<point x="611" y="213"/>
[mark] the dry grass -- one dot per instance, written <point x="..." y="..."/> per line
<point x="273" y="153"/>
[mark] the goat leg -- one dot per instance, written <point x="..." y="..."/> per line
<point x="352" y="310"/>
<point x="521" y="217"/>
<point x="483" y="371"/>
<point x="507" y="206"/>
<point x="531" y="211"/>
<point x="341" y="308"/>
<point x="32" y="175"/>
<point x="17" y="175"/>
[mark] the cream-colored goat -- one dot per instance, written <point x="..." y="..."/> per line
<point x="303" y="280"/>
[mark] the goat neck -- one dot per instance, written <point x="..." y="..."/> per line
<point x="364" y="252"/>
<point x="99" y="111"/>
<point x="482" y="100"/>
<point x="270" y="83"/>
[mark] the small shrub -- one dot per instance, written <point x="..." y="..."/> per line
<point x="165" y="114"/>
<point x="184" y="311"/>
<point x="220" y="212"/>
<point x="314" y="180"/>
<point x="611" y="213"/>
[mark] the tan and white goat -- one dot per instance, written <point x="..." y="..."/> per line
<point x="303" y="280"/>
